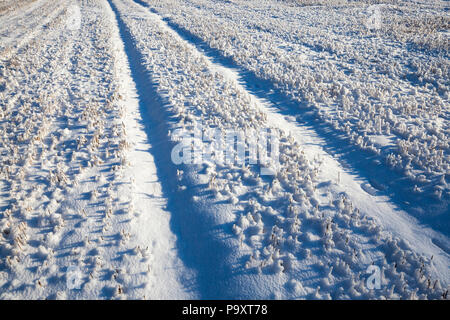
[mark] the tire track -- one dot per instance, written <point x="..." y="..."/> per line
<point x="167" y="274"/>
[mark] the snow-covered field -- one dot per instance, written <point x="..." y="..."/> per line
<point x="99" y="200"/>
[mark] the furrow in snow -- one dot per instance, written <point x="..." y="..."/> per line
<point x="167" y="275"/>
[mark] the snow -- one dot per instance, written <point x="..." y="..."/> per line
<point x="384" y="102"/>
<point x="94" y="96"/>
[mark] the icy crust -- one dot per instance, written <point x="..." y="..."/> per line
<point x="289" y="240"/>
<point x="62" y="146"/>
<point x="390" y="83"/>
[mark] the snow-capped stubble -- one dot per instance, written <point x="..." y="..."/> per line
<point x="239" y="147"/>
